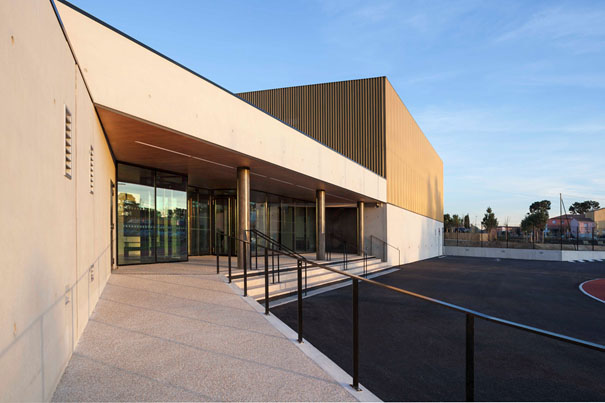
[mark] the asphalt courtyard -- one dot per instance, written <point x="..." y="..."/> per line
<point x="413" y="350"/>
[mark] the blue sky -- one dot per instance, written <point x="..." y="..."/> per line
<point x="511" y="94"/>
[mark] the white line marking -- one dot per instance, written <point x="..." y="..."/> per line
<point x="591" y="296"/>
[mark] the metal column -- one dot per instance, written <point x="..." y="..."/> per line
<point x="320" y="224"/>
<point x="243" y="214"/>
<point x="360" y="229"/>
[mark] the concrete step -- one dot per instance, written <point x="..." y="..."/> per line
<point x="313" y="274"/>
<point x="316" y="278"/>
<point x="252" y="272"/>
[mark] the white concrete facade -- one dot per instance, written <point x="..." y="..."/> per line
<point x="57" y="236"/>
<point x="56" y="233"/>
<point x="416" y="236"/>
<point x="113" y="65"/>
<point x="410" y="236"/>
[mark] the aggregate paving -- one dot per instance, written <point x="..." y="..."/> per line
<point x="178" y="332"/>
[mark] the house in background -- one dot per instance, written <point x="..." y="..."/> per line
<point x="570" y="225"/>
<point x="598" y="216"/>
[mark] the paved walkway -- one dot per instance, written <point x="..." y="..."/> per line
<point x="176" y="331"/>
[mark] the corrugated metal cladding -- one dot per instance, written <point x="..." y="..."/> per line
<point x="346" y="116"/>
<point x="414" y="169"/>
<point x="366" y="121"/>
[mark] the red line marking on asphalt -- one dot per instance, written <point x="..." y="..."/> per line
<point x="594" y="289"/>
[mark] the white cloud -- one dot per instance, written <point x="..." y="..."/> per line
<point x="580" y="30"/>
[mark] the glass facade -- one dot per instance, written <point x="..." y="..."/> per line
<point x="198" y="205"/>
<point x="161" y="219"/>
<point x="152" y="216"/>
<point x="171" y="217"/>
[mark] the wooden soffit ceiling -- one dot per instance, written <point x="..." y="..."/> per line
<point x="207" y="165"/>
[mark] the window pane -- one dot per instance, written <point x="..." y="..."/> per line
<point x="171" y="217"/>
<point x="199" y="222"/>
<point x="287" y="225"/>
<point x="310" y="229"/>
<point x="300" y="216"/>
<point x="135" y="223"/>
<point x="274" y="217"/>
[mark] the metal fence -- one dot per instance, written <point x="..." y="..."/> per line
<point x="570" y="240"/>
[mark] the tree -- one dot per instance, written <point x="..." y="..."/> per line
<point x="489" y="220"/>
<point x="447" y="222"/>
<point x="467" y="222"/>
<point x="542" y="206"/>
<point x="584" y="207"/>
<point x="456" y="221"/>
<point x="537" y="218"/>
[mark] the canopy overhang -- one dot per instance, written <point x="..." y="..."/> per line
<point x="208" y="165"/>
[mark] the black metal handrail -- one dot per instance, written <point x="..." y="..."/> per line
<point x="280" y="250"/>
<point x="470" y="316"/>
<point x="385" y="245"/>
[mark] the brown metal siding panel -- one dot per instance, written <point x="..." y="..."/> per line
<point x="344" y="116"/>
<point x="414" y="171"/>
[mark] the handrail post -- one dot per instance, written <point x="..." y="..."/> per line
<point x="216" y="250"/>
<point x="300" y="312"/>
<point x="266" y="281"/>
<point x="355" y="334"/>
<point x="365" y="264"/>
<point x="470" y="358"/>
<point x="245" y="268"/>
<point x="255" y="250"/>
<point x="272" y="266"/>
<point x="250" y="254"/>
<point x="305" y="277"/>
<point x="229" y="256"/>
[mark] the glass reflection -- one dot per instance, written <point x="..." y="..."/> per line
<point x="135" y="215"/>
<point x="198" y="205"/>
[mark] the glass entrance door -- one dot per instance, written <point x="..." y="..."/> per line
<point x="198" y="201"/>
<point x="225" y="218"/>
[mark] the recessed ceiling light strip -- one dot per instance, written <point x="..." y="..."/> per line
<point x="183" y="154"/>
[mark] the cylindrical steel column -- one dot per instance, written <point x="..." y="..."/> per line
<point x="360" y="229"/>
<point x="320" y="224"/>
<point x="243" y="214"/>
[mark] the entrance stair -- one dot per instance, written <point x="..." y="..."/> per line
<point x="285" y="283"/>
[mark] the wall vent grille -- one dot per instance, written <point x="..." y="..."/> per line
<point x="92" y="170"/>
<point x="68" y="143"/>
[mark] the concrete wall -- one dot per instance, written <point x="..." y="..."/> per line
<point x="114" y="65"/>
<point x="416" y="236"/>
<point x="54" y="230"/>
<point x="524" y="254"/>
<point x="375" y="222"/>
